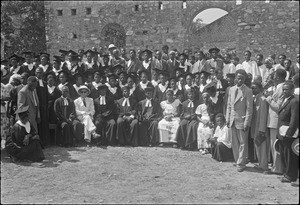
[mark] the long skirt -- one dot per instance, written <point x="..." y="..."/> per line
<point x="148" y="132"/>
<point x="127" y="133"/>
<point x="221" y="152"/>
<point x="168" y="129"/>
<point x="33" y="152"/>
<point x="106" y="128"/>
<point x="187" y="134"/>
<point x="203" y="134"/>
<point x="89" y="127"/>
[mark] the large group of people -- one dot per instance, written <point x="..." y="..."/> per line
<point x="200" y="101"/>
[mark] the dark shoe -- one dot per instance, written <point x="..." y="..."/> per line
<point x="161" y="145"/>
<point x="296" y="183"/>
<point x="234" y="164"/>
<point x="285" y="180"/>
<point x="175" y="146"/>
<point x="241" y="169"/>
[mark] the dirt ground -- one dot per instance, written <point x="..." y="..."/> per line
<point x="137" y="175"/>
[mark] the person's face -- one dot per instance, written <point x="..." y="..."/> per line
<point x="83" y="93"/>
<point x="255" y="89"/>
<point x="89" y="78"/>
<point x="158" y="55"/>
<point x="112" y="82"/>
<point x="186" y="52"/>
<point x="172" y="56"/>
<point x="226" y="59"/>
<point x="132" y="55"/>
<point x="102" y="79"/>
<point x="39" y="73"/>
<point x="102" y="92"/>
<point x="191" y="95"/>
<point x="105" y="60"/>
<point x="219" y="74"/>
<point x="165" y="50"/>
<point x="44" y="60"/>
<point x="62" y="78"/>
<point x="28" y="58"/>
<point x="182" y="81"/>
<point x="65" y="93"/>
<point x="123" y="51"/>
<point x="32" y="84"/>
<point x="281" y="59"/>
<point x="69" y="57"/>
<point x="287" y="64"/>
<point x="240" y="79"/>
<point x="125" y="93"/>
<point x="268" y="64"/>
<point x="189" y="80"/>
<point x="212" y="71"/>
<point x="214" y="54"/>
<point x="14" y="62"/>
<point x="235" y="61"/>
<point x="130" y="82"/>
<point x="97" y="78"/>
<point x="149" y="94"/>
<point x="118" y="71"/>
<point x="24" y="79"/>
<point x="177" y="73"/>
<point x="154" y="75"/>
<point x="144" y="78"/>
<point x="145" y="56"/>
<point x="259" y="60"/>
<point x="79" y="81"/>
<point x="247" y="56"/>
<point x="89" y="57"/>
<point x="287" y="91"/>
<point x="192" y="59"/>
<point x="50" y="80"/>
<point x="55" y="65"/>
<point x="122" y="78"/>
<point x="230" y="81"/>
<point x="203" y="79"/>
<point x="219" y="121"/>
<point x="173" y="84"/>
<point x="115" y="53"/>
<point x="16" y="82"/>
<point x="197" y="79"/>
<point x="182" y="60"/>
<point x="162" y="79"/>
<point x="205" y="98"/>
<point x="169" y="96"/>
<point x="201" y="56"/>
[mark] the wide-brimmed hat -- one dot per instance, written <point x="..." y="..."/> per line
<point x="214" y="49"/>
<point x="111" y="46"/>
<point x="83" y="87"/>
<point x="295" y="146"/>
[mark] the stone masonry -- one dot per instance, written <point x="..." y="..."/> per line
<point x="254" y="25"/>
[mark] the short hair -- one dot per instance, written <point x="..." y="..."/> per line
<point x="132" y="51"/>
<point x="220" y="115"/>
<point x="242" y="72"/>
<point x="248" y="52"/>
<point x="165" y="47"/>
<point x="290" y="84"/>
<point x="258" y="84"/>
<point x="281" y="73"/>
<point x="282" y="56"/>
<point x="32" y="79"/>
<point x="236" y="58"/>
<point x="260" y="55"/>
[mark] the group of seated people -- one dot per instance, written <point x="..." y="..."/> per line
<point x="209" y="103"/>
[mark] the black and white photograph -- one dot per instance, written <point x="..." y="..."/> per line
<point x="150" y="102"/>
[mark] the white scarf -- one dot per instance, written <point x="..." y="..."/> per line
<point x="89" y="65"/>
<point x="51" y="89"/>
<point x="215" y="99"/>
<point x="66" y="103"/>
<point x="144" y="85"/>
<point x="219" y="84"/>
<point x="102" y="100"/>
<point x="60" y="86"/>
<point x="76" y="87"/>
<point x="146" y="65"/>
<point x="111" y="89"/>
<point x="201" y="87"/>
<point x="175" y="91"/>
<point x="154" y="83"/>
<point x="26" y="126"/>
<point x="41" y="83"/>
<point x="132" y="89"/>
<point x="187" y="87"/>
<point x="148" y="103"/>
<point x="191" y="104"/>
<point x="45" y="67"/>
<point x="126" y="101"/>
<point x="30" y="66"/>
<point x="162" y="88"/>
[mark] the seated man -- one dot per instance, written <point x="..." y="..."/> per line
<point x="68" y="126"/>
<point x="24" y="143"/>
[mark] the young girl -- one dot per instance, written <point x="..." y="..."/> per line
<point x="84" y="107"/>
<point x="221" y="141"/>
<point x="204" y="131"/>
<point x="160" y="89"/>
<point x="168" y="126"/>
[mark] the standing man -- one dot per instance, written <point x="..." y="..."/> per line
<point x="274" y="101"/>
<point x="215" y="62"/>
<point x="165" y="50"/>
<point x="42" y="93"/>
<point x="249" y="65"/>
<point x="172" y="64"/>
<point x="238" y="118"/>
<point x="159" y="63"/>
<point x="288" y="124"/>
<point x="133" y="64"/>
<point x="281" y="59"/>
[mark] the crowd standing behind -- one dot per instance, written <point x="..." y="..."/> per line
<point x="236" y="111"/>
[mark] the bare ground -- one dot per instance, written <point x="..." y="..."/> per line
<point x="137" y="175"/>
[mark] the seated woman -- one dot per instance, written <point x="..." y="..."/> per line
<point x="168" y="126"/>
<point x="85" y="110"/>
<point x="221" y="141"/>
<point x="204" y="131"/>
<point x="24" y="143"/>
<point x="173" y="85"/>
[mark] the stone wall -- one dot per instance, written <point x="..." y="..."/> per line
<point x="258" y="26"/>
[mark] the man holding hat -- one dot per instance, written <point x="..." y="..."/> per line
<point x="215" y="62"/>
<point x="24" y="141"/>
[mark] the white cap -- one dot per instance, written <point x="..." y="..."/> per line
<point x="111" y="46"/>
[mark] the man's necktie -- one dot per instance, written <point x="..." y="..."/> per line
<point x="83" y="100"/>
<point x="236" y="93"/>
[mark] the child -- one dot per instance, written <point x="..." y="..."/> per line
<point x="24" y="142"/>
<point x="127" y="123"/>
<point x="148" y="113"/>
<point x="187" y="131"/>
<point x="221" y="141"/>
<point x="84" y="107"/>
<point x="204" y="131"/>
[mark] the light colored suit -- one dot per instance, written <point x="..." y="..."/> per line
<point x="239" y="115"/>
<point x="85" y="115"/>
<point x="26" y="98"/>
<point x="216" y="63"/>
<point x="274" y="102"/>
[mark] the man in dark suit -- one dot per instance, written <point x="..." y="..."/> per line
<point x="133" y="64"/>
<point x="288" y="124"/>
<point x="172" y="64"/>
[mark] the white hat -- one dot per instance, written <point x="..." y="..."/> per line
<point x="83" y="87"/>
<point x="111" y="46"/>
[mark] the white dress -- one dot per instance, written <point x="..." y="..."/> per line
<point x="167" y="129"/>
<point x="203" y="132"/>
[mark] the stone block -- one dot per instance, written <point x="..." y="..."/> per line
<point x="247" y="27"/>
<point x="242" y="24"/>
<point x="281" y="26"/>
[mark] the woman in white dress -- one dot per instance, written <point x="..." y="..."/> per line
<point x="205" y="128"/>
<point x="168" y="126"/>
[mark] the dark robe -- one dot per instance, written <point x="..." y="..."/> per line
<point x="187" y="130"/>
<point x="179" y="95"/>
<point x="72" y="92"/>
<point x="142" y="95"/>
<point x="43" y="126"/>
<point x="30" y="72"/>
<point x="221" y="152"/>
<point x="15" y="147"/>
<point x="127" y="131"/>
<point x="52" y="97"/>
<point x="148" y="122"/>
<point x="117" y="95"/>
<point x="20" y="71"/>
<point x="135" y="94"/>
<point x="216" y="107"/>
<point x="105" y="120"/>
<point x="71" y="71"/>
<point x="68" y="126"/>
<point x="158" y="94"/>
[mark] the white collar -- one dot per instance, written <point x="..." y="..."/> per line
<point x="126" y="101"/>
<point x="215" y="99"/>
<point x="144" y="85"/>
<point x="132" y="89"/>
<point x="162" y="88"/>
<point x="51" y="89"/>
<point x="26" y="126"/>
